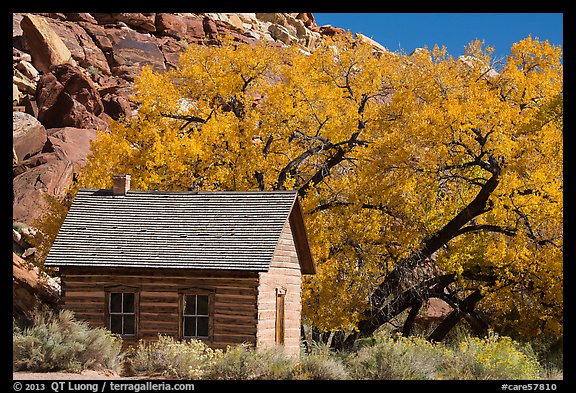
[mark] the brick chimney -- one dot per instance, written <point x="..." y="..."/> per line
<point x="121" y="184"/>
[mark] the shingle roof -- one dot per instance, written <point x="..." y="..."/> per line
<point x="204" y="230"/>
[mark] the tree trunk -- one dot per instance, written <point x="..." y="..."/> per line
<point x="383" y="313"/>
<point x="409" y="322"/>
<point x="379" y="311"/>
<point x="465" y="307"/>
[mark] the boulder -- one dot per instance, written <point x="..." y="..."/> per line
<point x="474" y="62"/>
<point x="195" y="28"/>
<point x="23" y="238"/>
<point x="45" y="46"/>
<point x="315" y="29"/>
<point x="32" y="162"/>
<point x="376" y="45"/>
<point x="224" y="28"/>
<point x="171" y="25"/>
<point x="30" y="107"/>
<point x="17" y="41"/>
<point x="18" y="55"/>
<point x="16" y="20"/>
<point x="248" y="39"/>
<point x="248" y="17"/>
<point x="48" y="93"/>
<point x="52" y="178"/>
<point x="210" y="28"/>
<point x="24" y="83"/>
<point x="67" y="97"/>
<point x="80" y="17"/>
<point x="70" y="144"/>
<point x="437" y="308"/>
<point x="17" y="238"/>
<point x="111" y="84"/>
<point x="235" y="21"/>
<point x="282" y="34"/>
<point x="275" y="18"/>
<point x="307" y="18"/>
<point x="98" y="35"/>
<point x="28" y="135"/>
<point x="31" y="289"/>
<point x="330" y="31"/>
<point x="117" y="106"/>
<point x="16" y="95"/>
<point x="171" y="49"/>
<point x="144" y="22"/>
<point x="28" y="71"/>
<point x="131" y="51"/>
<point x="289" y="28"/>
<point x="104" y="18"/>
<point x="82" y="47"/>
<point x="53" y="15"/>
<point x="49" y="173"/>
<point x="78" y="84"/>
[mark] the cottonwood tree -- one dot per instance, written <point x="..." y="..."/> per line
<point x="421" y="175"/>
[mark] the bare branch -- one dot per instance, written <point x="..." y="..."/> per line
<point x="486" y="227"/>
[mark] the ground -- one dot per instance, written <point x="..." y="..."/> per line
<point x="87" y="374"/>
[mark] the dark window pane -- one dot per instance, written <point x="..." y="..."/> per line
<point x="128" y="303"/>
<point x="116" y="323"/>
<point x="115" y="302"/>
<point x="202" y="327"/>
<point x="190" y="305"/>
<point x="128" y="324"/>
<point x="189" y="326"/>
<point x="202" y="308"/>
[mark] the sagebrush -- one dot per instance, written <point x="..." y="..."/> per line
<point x="173" y="359"/>
<point x="58" y="342"/>
<point x="386" y="357"/>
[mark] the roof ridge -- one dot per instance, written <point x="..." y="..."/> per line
<point x="254" y="192"/>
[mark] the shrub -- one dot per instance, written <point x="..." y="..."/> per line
<point x="245" y="362"/>
<point x="57" y="342"/>
<point x="320" y="364"/>
<point x="493" y="357"/>
<point x="550" y="351"/>
<point x="174" y="359"/>
<point x="398" y="358"/>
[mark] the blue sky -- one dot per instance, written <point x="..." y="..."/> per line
<point x="409" y="31"/>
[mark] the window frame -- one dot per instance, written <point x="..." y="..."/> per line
<point x="182" y="293"/>
<point x="108" y="313"/>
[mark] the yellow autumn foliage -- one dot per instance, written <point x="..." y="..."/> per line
<point x="384" y="149"/>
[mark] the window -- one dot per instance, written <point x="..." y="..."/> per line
<point x="195" y="316"/>
<point x="121" y="313"/>
<point x="279" y="331"/>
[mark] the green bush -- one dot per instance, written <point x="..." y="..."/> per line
<point x="320" y="364"/>
<point x="398" y="358"/>
<point x="382" y="357"/>
<point x="195" y="360"/>
<point x="173" y="359"/>
<point x="57" y="342"/>
<point x="244" y="362"/>
<point x="471" y="358"/>
<point x="493" y="357"/>
<point x="550" y="351"/>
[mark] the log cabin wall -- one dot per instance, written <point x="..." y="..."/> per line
<point x="233" y="313"/>
<point x="283" y="279"/>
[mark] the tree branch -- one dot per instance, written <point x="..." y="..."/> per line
<point x="486" y="227"/>
<point x="464" y="307"/>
